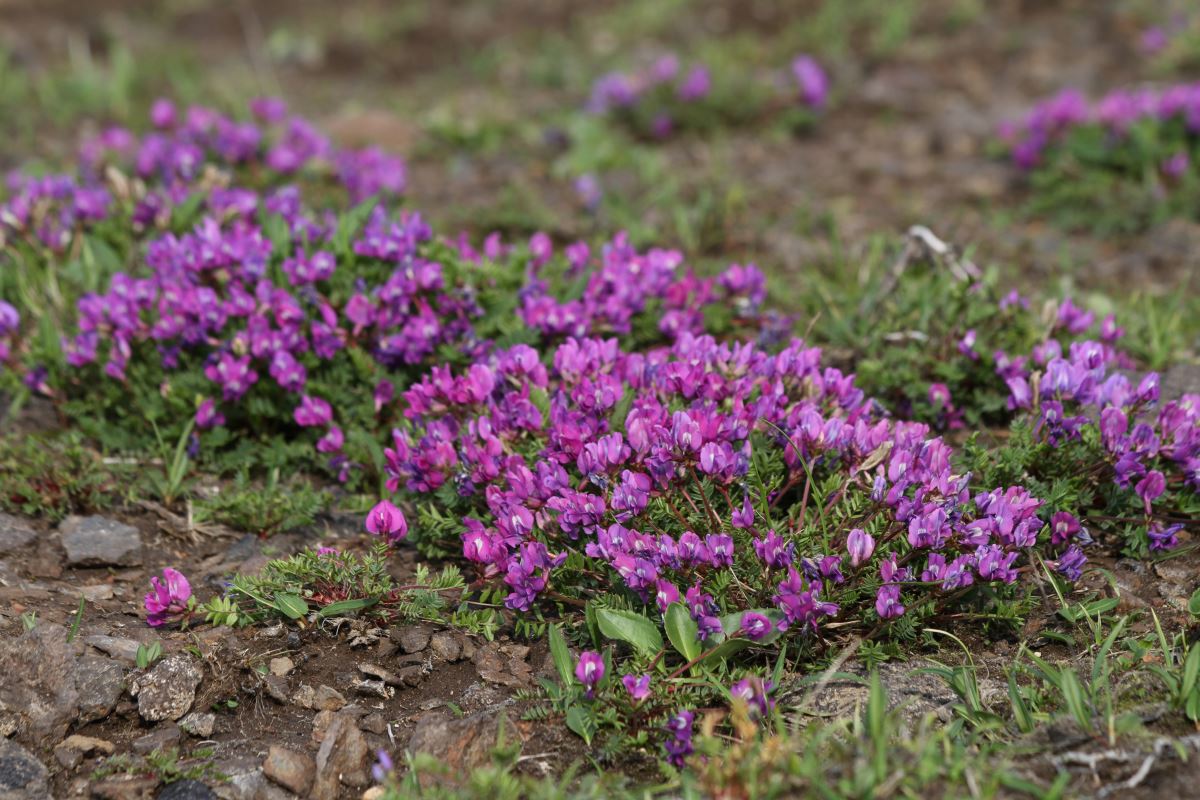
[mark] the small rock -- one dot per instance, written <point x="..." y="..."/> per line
<point x="460" y="743"/>
<point x="327" y="698"/>
<point x="277" y="688"/>
<point x="96" y="592"/>
<point x="446" y="646"/>
<point x="281" y="666"/>
<point x="119" y="648"/>
<point x="100" y="542"/>
<point x="22" y="776"/>
<point x="370" y="688"/>
<point x="72" y="749"/>
<point x="246" y="781"/>
<point x="38" y="681"/>
<point x="291" y="770"/>
<point x="321" y="722"/>
<point x="413" y="638"/>
<point x="99" y="681"/>
<point x="199" y="724"/>
<point x="343" y="758"/>
<point x="378" y="672"/>
<point x="163" y="737"/>
<point x="293" y="640"/>
<point x="305" y="696"/>
<point x="126" y="787"/>
<point x="186" y="789"/>
<point x="374" y="723"/>
<point x="14" y="533"/>
<point x="168" y="690"/>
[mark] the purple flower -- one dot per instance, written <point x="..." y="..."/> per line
<point x="860" y="545"/>
<point x="207" y="415"/>
<point x="887" y="601"/>
<point x="1070" y="563"/>
<point x="638" y="686"/>
<point x="679" y="741"/>
<point x="773" y="551"/>
<point x="312" y="412"/>
<point x="744" y="517"/>
<point x="387" y="520"/>
<point x="696" y="84"/>
<point x="1163" y="538"/>
<point x="590" y="671"/>
<point x="1177" y="165"/>
<point x="755" y="692"/>
<point x="332" y="441"/>
<point x="168" y="598"/>
<point x="1151" y="487"/>
<point x="755" y="626"/>
<point x="383" y="767"/>
<point x="1063" y="526"/>
<point x="813" y="83"/>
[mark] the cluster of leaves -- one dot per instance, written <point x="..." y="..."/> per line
<point x="52" y="476"/>
<point x="168" y="766"/>
<point x="273" y="507"/>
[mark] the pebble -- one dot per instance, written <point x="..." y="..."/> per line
<point x="186" y="789"/>
<point x="291" y="770"/>
<point x="22" y="776"/>
<point x="70" y="751"/>
<point x="199" y="724"/>
<point x="281" y="666"/>
<point x="161" y="738"/>
<point x="117" y="647"/>
<point x="15" y="533"/>
<point x="99" y="681"/>
<point x="100" y="542"/>
<point x="412" y="639"/>
<point x="446" y="646"/>
<point x="342" y="759"/>
<point x="168" y="690"/>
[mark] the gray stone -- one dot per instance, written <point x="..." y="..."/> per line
<point x="100" y="542"/>
<point x="22" y="776"/>
<point x="277" y="688"/>
<point x="164" y="737"/>
<point x="327" y="698"/>
<point x="168" y="690"/>
<point x="446" y="646"/>
<point x="72" y="749"/>
<point x="343" y="759"/>
<point x="412" y="638"/>
<point x="291" y="770"/>
<point x="15" y="533"/>
<point x="39" y="681"/>
<point x="460" y="743"/>
<point x="246" y="781"/>
<point x="186" y="789"/>
<point x="281" y="666"/>
<point x="199" y="724"/>
<point x="374" y="723"/>
<point x="117" y="647"/>
<point x="99" y="681"/>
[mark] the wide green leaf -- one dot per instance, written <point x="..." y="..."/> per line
<point x="683" y="631"/>
<point x="347" y="606"/>
<point x="627" y="626"/>
<point x="291" y="606"/>
<point x="561" y="655"/>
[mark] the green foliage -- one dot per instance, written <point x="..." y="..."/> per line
<point x="51" y="476"/>
<point x="168" y="766"/>
<point x="264" y="510"/>
<point x="147" y="654"/>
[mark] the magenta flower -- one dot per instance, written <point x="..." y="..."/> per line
<point x="590" y="671"/>
<point x="813" y="83"/>
<point x="755" y="692"/>
<point x="755" y="626"/>
<point x="332" y="441"/>
<point x="168" y="598"/>
<point x="388" y="521"/>
<point x="207" y="415"/>
<point x="312" y="412"/>
<point x="1063" y="526"/>
<point x="638" y="686"/>
<point x="887" y="602"/>
<point x="1151" y="487"/>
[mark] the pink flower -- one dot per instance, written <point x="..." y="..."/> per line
<point x="167" y="599"/>
<point x="387" y="520"/>
<point x="590" y="670"/>
<point x="638" y="686"/>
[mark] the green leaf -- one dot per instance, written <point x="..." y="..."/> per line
<point x="1021" y="712"/>
<point x="1194" y="604"/>
<point x="1191" y="669"/>
<point x="581" y="723"/>
<point x="626" y="626"/>
<point x="291" y="606"/>
<point x="1192" y="709"/>
<point x="683" y="631"/>
<point x="561" y="655"/>
<point x="346" y="606"/>
<point x="1072" y="692"/>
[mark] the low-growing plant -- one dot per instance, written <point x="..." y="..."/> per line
<point x="263" y="509"/>
<point x="50" y="476"/>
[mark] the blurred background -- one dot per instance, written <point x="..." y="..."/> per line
<point x="488" y="102"/>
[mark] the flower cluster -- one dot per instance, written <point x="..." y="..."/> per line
<point x="1053" y="120"/>
<point x="1076" y="398"/>
<point x="263" y="307"/>
<point x="665" y="97"/>
<point x="686" y="472"/>
<point x="10" y="324"/>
